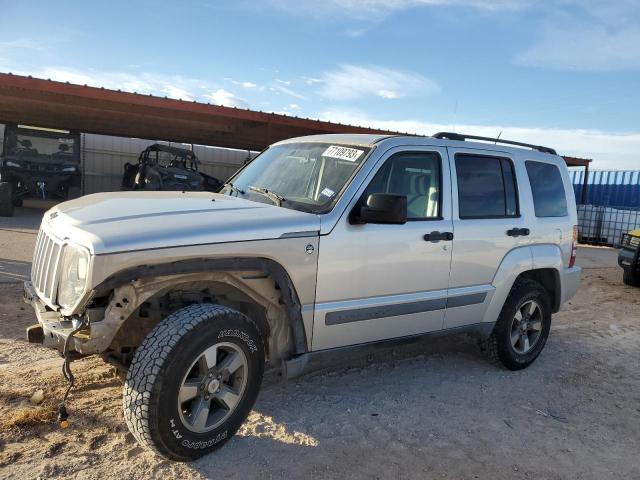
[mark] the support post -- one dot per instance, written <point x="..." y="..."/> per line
<point x="583" y="198"/>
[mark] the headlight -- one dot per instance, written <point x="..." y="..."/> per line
<point x="10" y="163"/>
<point x="69" y="169"/>
<point x="74" y="276"/>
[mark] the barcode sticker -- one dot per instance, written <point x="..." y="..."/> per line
<point x="343" y="153"/>
<point x="327" y="192"/>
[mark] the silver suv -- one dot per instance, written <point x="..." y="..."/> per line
<point x="320" y="243"/>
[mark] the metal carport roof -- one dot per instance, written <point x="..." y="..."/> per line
<point x="60" y="105"/>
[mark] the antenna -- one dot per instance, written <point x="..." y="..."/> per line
<point x="497" y="138"/>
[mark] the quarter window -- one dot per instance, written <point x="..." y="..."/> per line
<point x="549" y="198"/>
<point x="486" y="187"/>
<point x="415" y="175"/>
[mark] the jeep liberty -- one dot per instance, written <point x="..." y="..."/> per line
<point x="320" y="243"/>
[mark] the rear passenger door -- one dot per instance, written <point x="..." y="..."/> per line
<point x="487" y="225"/>
<point x="550" y="220"/>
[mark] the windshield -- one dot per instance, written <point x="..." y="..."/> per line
<point x="302" y="176"/>
<point x="31" y="144"/>
<point x="40" y="146"/>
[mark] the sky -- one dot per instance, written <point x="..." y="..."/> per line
<point x="560" y="73"/>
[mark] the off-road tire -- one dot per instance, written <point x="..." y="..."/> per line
<point x="158" y="368"/>
<point x="631" y="278"/>
<point x="73" y="192"/>
<point x="498" y="348"/>
<point x="6" y="200"/>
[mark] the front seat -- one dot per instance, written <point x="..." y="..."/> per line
<point x="417" y="197"/>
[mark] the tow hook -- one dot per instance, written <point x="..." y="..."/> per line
<point x="63" y="414"/>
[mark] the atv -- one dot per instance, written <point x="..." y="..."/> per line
<point x="161" y="167"/>
<point x="38" y="163"/>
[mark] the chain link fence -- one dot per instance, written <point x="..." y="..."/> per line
<point x="599" y="225"/>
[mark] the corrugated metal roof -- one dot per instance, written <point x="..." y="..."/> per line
<point x="87" y="109"/>
<point x="614" y="188"/>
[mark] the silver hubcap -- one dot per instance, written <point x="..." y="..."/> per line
<point x="212" y="387"/>
<point x="526" y="327"/>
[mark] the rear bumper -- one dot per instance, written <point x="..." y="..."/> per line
<point x="570" y="283"/>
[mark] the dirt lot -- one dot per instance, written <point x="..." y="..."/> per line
<point x="435" y="410"/>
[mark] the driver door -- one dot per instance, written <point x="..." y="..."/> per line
<point x="380" y="281"/>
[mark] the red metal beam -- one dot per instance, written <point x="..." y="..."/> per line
<point x="51" y="104"/>
<point x="577" y="162"/>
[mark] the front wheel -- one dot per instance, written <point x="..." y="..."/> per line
<point x="631" y="278"/>
<point x="6" y="200"/>
<point x="522" y="328"/>
<point x="193" y="381"/>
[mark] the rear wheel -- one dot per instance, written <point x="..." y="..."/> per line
<point x="193" y="381"/>
<point x="6" y="200"/>
<point x="522" y="328"/>
<point x="629" y="277"/>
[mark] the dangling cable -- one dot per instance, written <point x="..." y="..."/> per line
<point x="63" y="415"/>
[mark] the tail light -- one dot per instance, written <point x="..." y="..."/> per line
<point x="574" y="247"/>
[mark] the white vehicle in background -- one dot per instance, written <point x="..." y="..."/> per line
<point x="320" y="243"/>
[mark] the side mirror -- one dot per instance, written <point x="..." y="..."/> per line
<point x="381" y="208"/>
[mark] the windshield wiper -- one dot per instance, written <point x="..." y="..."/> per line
<point x="273" y="196"/>
<point x="233" y="188"/>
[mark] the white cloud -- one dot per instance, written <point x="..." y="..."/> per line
<point x="609" y="150"/>
<point x="226" y="98"/>
<point x="282" y="86"/>
<point x="585" y="48"/>
<point x="172" y="86"/>
<point x="172" y="91"/>
<point x="353" y="81"/>
<point x="378" y="9"/>
<point x="249" y="85"/>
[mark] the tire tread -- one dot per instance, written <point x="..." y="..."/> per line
<point x="149" y="359"/>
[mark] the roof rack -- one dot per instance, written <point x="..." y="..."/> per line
<point x="463" y="137"/>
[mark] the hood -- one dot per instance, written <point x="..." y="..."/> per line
<point x="126" y="221"/>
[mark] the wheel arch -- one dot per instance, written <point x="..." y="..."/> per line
<point x="247" y="281"/>
<point x="542" y="263"/>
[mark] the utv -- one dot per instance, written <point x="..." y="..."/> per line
<point x="161" y="167"/>
<point x="38" y="163"/>
<point x="629" y="258"/>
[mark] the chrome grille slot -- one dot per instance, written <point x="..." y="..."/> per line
<point x="44" y="270"/>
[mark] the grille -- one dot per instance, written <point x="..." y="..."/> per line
<point x="44" y="269"/>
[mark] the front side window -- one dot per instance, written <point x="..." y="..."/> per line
<point x="486" y="187"/>
<point x="301" y="176"/>
<point x="415" y="175"/>
<point x="547" y="188"/>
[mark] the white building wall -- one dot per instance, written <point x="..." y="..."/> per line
<point x="103" y="158"/>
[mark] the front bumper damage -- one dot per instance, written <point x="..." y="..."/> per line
<point x="53" y="329"/>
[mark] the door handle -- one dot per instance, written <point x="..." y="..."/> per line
<point x="518" y="232"/>
<point x="437" y="236"/>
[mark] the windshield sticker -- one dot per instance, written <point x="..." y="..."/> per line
<point x="343" y="153"/>
<point x="327" y="192"/>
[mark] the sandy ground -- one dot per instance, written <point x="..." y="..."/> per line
<point x="431" y="410"/>
<point x="435" y="410"/>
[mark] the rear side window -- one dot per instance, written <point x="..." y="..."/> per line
<point x="486" y="187"/>
<point x="549" y="197"/>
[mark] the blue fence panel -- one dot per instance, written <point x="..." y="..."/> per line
<point x="610" y="188"/>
